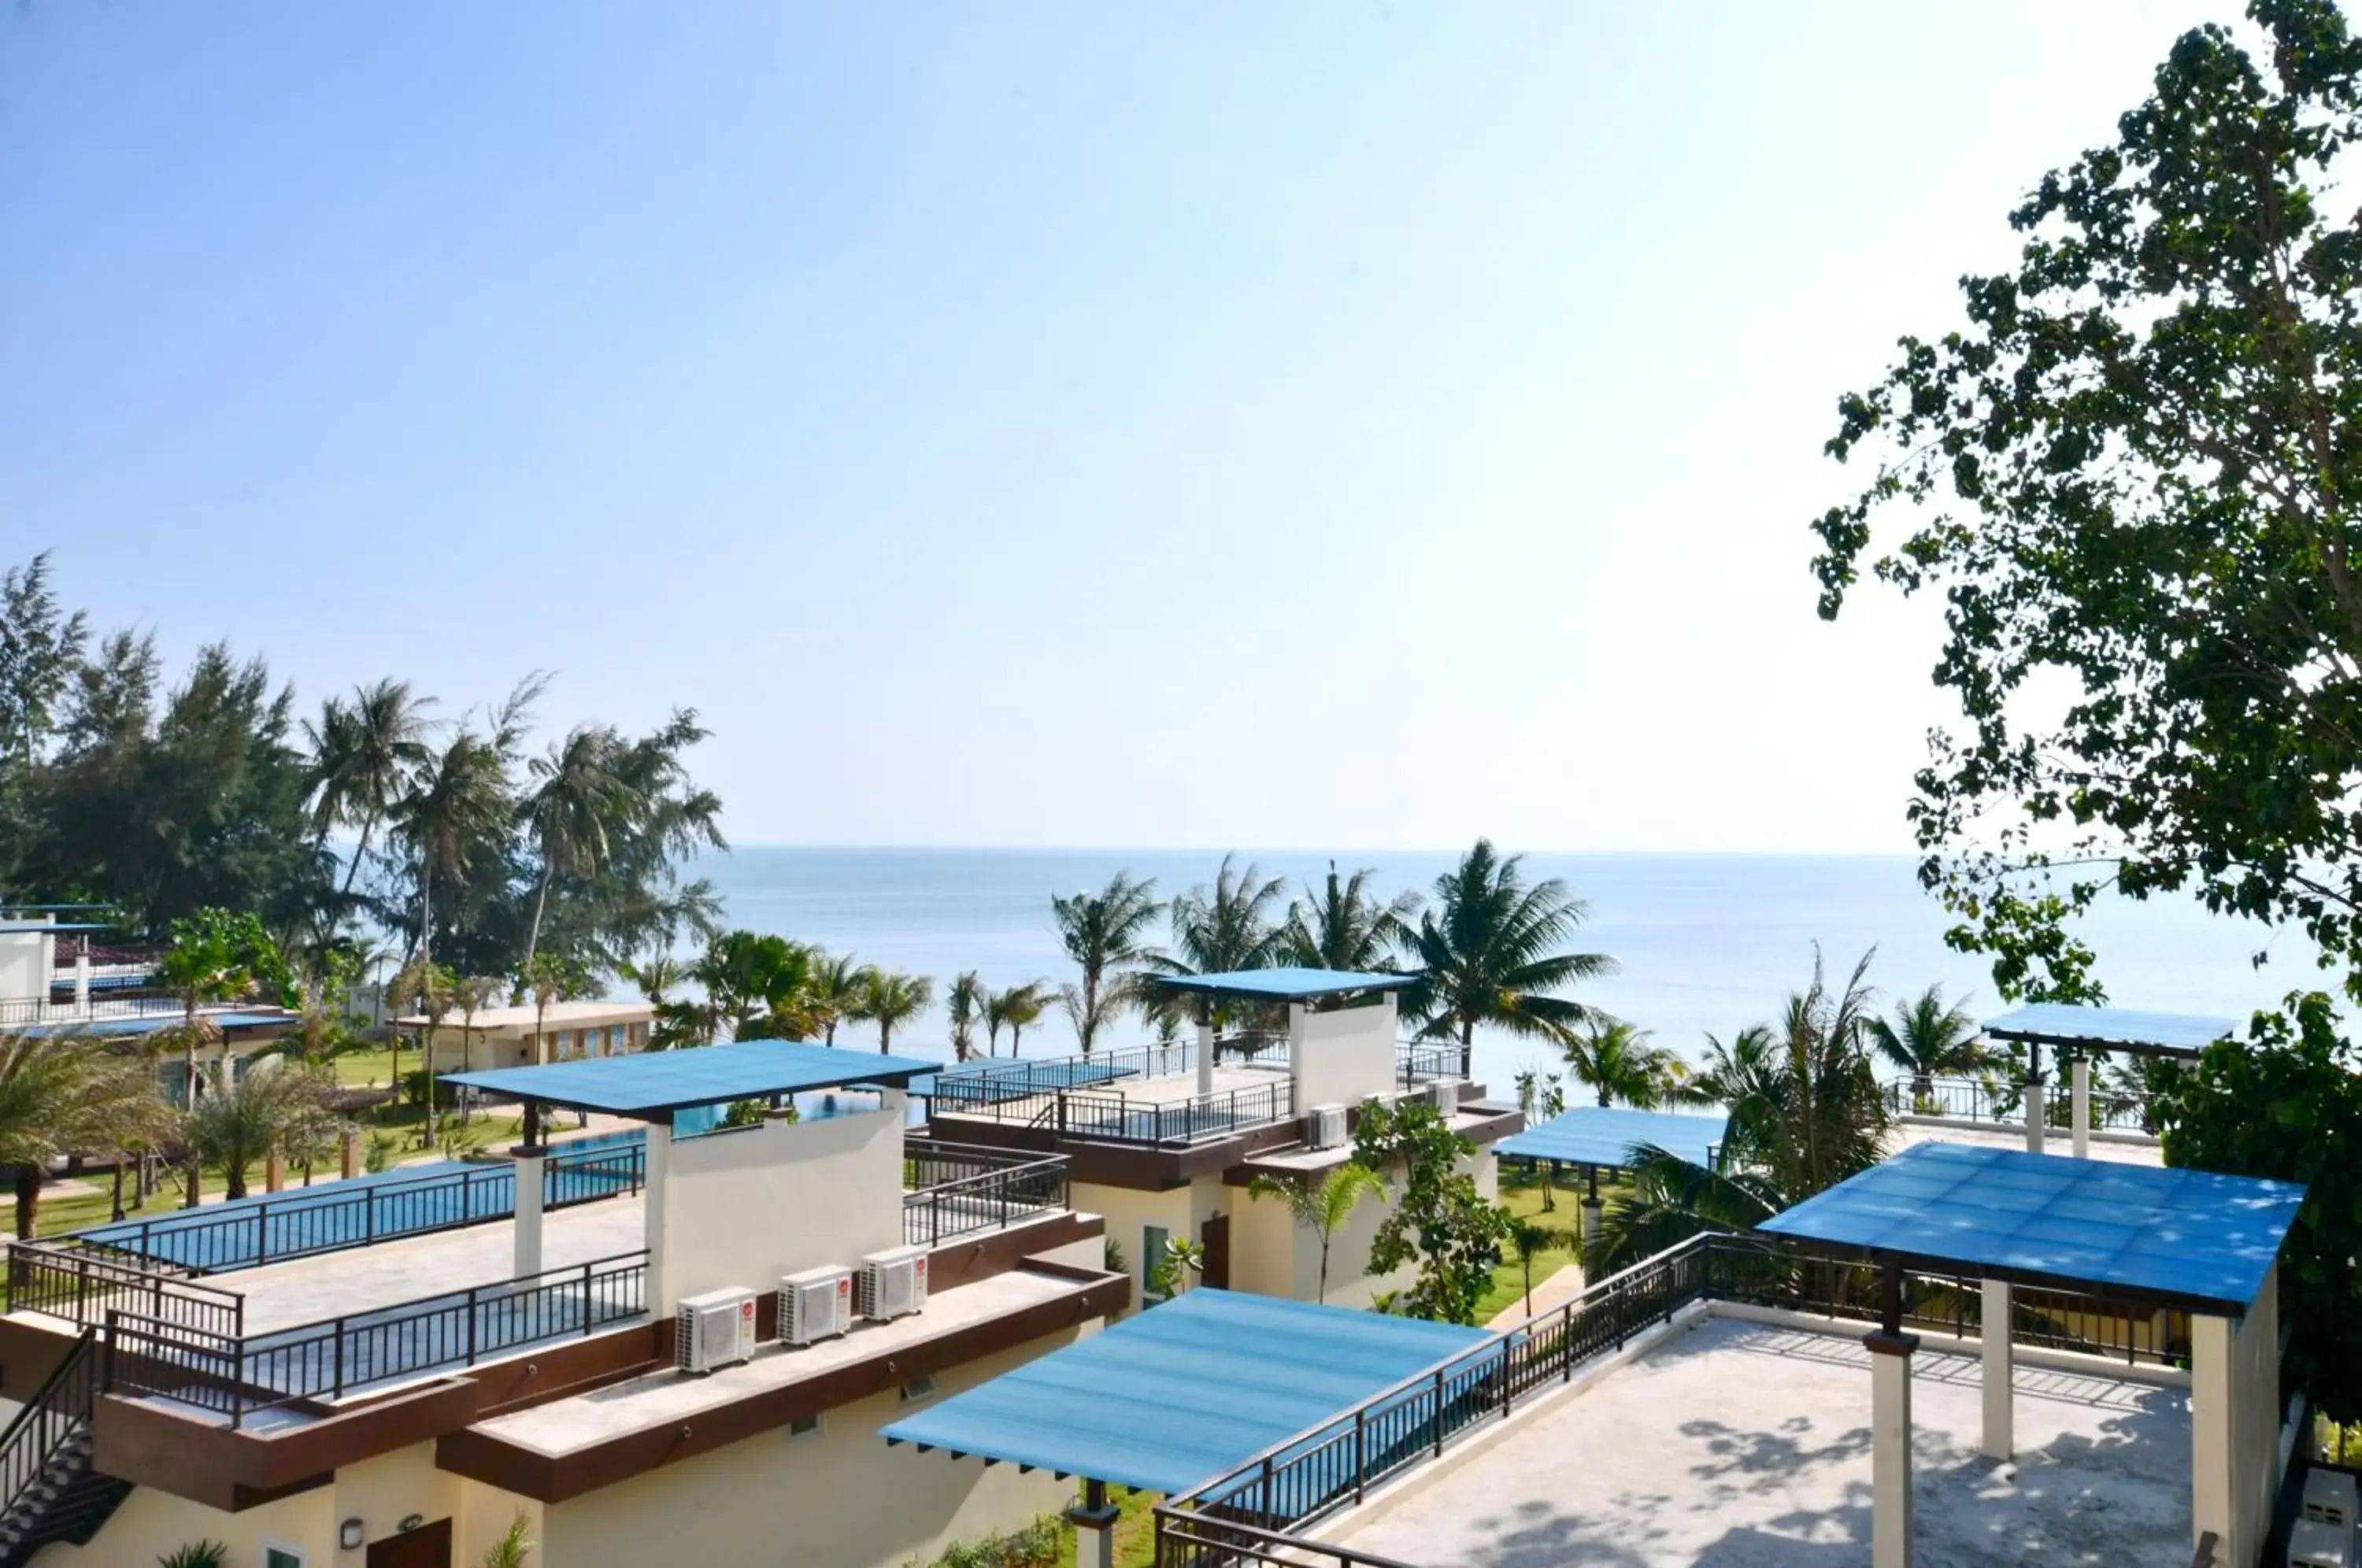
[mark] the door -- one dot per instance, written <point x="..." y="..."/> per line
<point x="428" y="1545"/>
<point x="1216" y="1238"/>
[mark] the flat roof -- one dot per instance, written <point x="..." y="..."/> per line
<point x="1606" y="1135"/>
<point x="2112" y="1028"/>
<point x="149" y="1022"/>
<point x="655" y="1081"/>
<point x="2194" y="1237"/>
<point x="1182" y="1392"/>
<point x="1283" y="984"/>
<point x="557" y="1016"/>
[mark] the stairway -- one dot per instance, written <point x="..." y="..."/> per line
<point x="54" y="1492"/>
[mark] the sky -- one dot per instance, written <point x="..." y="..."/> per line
<point x="1034" y="425"/>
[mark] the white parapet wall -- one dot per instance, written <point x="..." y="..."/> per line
<point x="745" y="1206"/>
<point x="1342" y="1057"/>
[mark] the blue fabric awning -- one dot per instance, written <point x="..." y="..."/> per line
<point x="2111" y="1029"/>
<point x="1284" y="984"/>
<point x="2202" y="1240"/>
<point x="1180" y="1393"/>
<point x="657" y="1081"/>
<point x="1606" y="1135"/>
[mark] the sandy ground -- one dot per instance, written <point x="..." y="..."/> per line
<point x="1740" y="1446"/>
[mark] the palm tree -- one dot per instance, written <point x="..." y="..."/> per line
<point x="1225" y="928"/>
<point x="1928" y="1039"/>
<point x="70" y="1093"/>
<point x="839" y="986"/>
<point x="1525" y="1239"/>
<point x="577" y="795"/>
<point x="1322" y="1207"/>
<point x="454" y="816"/>
<point x="1103" y="933"/>
<point x="657" y="975"/>
<point x="893" y="1000"/>
<point x="1804" y="1113"/>
<point x="547" y="978"/>
<point x="434" y="988"/>
<point x="992" y="1008"/>
<point x="1085" y="1017"/>
<point x="472" y="994"/>
<point x="1345" y="927"/>
<point x="268" y="1111"/>
<point x="215" y="956"/>
<point x="362" y="754"/>
<point x="1022" y="1007"/>
<point x="1492" y="950"/>
<point x="965" y="1005"/>
<point x="1616" y="1062"/>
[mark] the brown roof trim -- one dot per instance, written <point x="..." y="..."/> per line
<point x="554" y="1478"/>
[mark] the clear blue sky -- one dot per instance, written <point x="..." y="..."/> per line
<point x="1036" y="425"/>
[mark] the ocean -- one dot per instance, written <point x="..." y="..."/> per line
<point x="1703" y="942"/>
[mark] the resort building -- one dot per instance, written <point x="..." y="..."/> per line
<point x="1163" y="1140"/>
<point x="506" y="1036"/>
<point x="592" y="1336"/>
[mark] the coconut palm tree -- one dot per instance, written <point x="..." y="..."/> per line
<point x="1804" y="1113"/>
<point x="839" y="986"/>
<point x="1344" y="926"/>
<point x="1616" y="1062"/>
<point x="453" y="818"/>
<point x="1022" y="1007"/>
<point x="1227" y="927"/>
<point x="1928" y="1039"/>
<point x="963" y="1004"/>
<point x="362" y="754"/>
<point x="1493" y="952"/>
<point x="470" y="994"/>
<point x="992" y="1009"/>
<point x="579" y="792"/>
<point x="1322" y="1207"/>
<point x="70" y="1093"/>
<point x="1104" y="933"/>
<point x="434" y="989"/>
<point x="892" y="1000"/>
<point x="280" y="1109"/>
<point x="215" y="957"/>
<point x="1526" y="1238"/>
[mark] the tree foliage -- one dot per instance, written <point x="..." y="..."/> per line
<point x="1492" y="951"/>
<point x="1343" y="925"/>
<point x="1105" y="934"/>
<point x="1440" y="1220"/>
<point x="2128" y="475"/>
<point x="1322" y="1207"/>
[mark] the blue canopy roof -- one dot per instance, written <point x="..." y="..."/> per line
<point x="1180" y="1393"/>
<point x="1284" y="985"/>
<point x="2112" y="1028"/>
<point x="151" y="1022"/>
<point x="2202" y="1239"/>
<point x="657" y="1081"/>
<point x="1606" y="1135"/>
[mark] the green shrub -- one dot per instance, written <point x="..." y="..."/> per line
<point x="195" y="1554"/>
<point x="1034" y="1546"/>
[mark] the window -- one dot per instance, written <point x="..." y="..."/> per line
<point x="276" y="1556"/>
<point x="918" y="1388"/>
<point x="803" y="1427"/>
<point x="1151" y="1252"/>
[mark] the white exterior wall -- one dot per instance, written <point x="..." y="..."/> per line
<point x="1341" y="1058"/>
<point x="25" y="965"/>
<point x="1270" y="1254"/>
<point x="1127" y="1211"/>
<point x="745" y="1206"/>
<point x="838" y="1498"/>
<point x="2234" y="1426"/>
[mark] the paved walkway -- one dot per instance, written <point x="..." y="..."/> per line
<point x="1563" y="1286"/>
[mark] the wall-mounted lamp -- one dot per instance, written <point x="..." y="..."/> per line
<point x="350" y="1535"/>
<point x="410" y="1523"/>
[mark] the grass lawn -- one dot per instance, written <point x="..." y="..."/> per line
<point x="1135" y="1532"/>
<point x="1524" y="1198"/>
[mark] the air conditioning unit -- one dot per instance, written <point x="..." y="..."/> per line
<point x="1444" y="1095"/>
<point x="1324" y="1126"/>
<point x="892" y="1282"/>
<point x="815" y="1305"/>
<point x="2329" y="1497"/>
<point x="716" y="1328"/>
<point x="2312" y="1544"/>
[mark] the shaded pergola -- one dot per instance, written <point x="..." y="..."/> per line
<point x="1180" y="1393"/>
<point x="1303" y="992"/>
<point x="650" y="1087"/>
<point x="1608" y="1137"/>
<point x="2076" y="1033"/>
<point x="2202" y="1242"/>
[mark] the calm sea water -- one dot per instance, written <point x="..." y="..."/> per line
<point x="1704" y="943"/>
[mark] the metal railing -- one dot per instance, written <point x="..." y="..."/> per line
<point x="236" y="1376"/>
<point x="1241" y="1516"/>
<point x="959" y="1190"/>
<point x="1116" y="1118"/>
<point x="1421" y="1062"/>
<point x="974" y="1087"/>
<point x="16" y="1012"/>
<point x="81" y="1284"/>
<point x="1981" y="1100"/>
<point x="52" y="1418"/>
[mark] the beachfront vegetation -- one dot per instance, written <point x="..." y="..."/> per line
<point x="1229" y="925"/>
<point x="1929" y="1038"/>
<point x="1491" y="951"/>
<point x="70" y="1093"/>
<point x="1438" y="1220"/>
<point x="1105" y="934"/>
<point x="1615" y="1061"/>
<point x="1344" y="925"/>
<point x="277" y="1110"/>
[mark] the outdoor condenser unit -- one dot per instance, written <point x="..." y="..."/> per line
<point x="1444" y="1095"/>
<point x="815" y="1305"/>
<point x="893" y="1283"/>
<point x="1324" y="1126"/>
<point x="2312" y="1544"/>
<point x="2328" y="1497"/>
<point x="716" y="1328"/>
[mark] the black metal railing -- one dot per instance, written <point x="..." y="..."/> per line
<point x="238" y="1377"/>
<point x="1981" y="1100"/>
<point x="1116" y="1118"/>
<point x="52" y="1418"/>
<point x="16" y="1012"/>
<point x="978" y="1087"/>
<point x="1421" y="1062"/>
<point x="958" y="1190"/>
<point x="1236" y="1518"/>
<point x="81" y="1284"/>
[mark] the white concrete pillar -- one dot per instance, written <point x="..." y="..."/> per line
<point x="2079" y="1118"/>
<point x="655" y="1196"/>
<point x="2213" y="1438"/>
<point x="81" y="980"/>
<point x="2000" y="1439"/>
<point x="1889" y="1448"/>
<point x="1094" y="1520"/>
<point x="527" y="1158"/>
<point x="2035" y="1116"/>
<point x="1297" y="1013"/>
<point x="1205" y="1057"/>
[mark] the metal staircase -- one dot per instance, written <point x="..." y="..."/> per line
<point x="52" y="1491"/>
